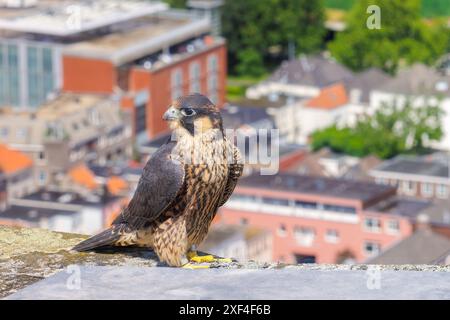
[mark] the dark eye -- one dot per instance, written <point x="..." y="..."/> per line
<point x="187" y="112"/>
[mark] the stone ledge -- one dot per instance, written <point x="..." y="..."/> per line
<point x="30" y="255"/>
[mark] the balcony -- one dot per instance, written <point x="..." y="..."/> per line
<point x="37" y="264"/>
<point x="291" y="210"/>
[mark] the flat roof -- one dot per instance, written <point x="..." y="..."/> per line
<point x="69" y="103"/>
<point x="32" y="213"/>
<point x="70" y="198"/>
<point x="407" y="207"/>
<point x="69" y="17"/>
<point x="315" y="185"/>
<point x="415" y="166"/>
<point x="152" y="35"/>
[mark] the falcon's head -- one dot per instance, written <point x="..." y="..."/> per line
<point x="195" y="113"/>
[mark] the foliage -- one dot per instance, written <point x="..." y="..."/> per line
<point x="403" y="37"/>
<point x="257" y="31"/>
<point x="176" y="3"/>
<point x="429" y="8"/>
<point x="391" y="130"/>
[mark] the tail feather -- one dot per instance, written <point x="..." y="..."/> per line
<point x="104" y="238"/>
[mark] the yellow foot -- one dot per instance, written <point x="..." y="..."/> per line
<point x="194" y="257"/>
<point x="194" y="266"/>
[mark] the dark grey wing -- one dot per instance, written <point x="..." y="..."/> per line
<point x="235" y="169"/>
<point x="161" y="181"/>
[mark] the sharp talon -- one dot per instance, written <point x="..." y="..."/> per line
<point x="194" y="257"/>
<point x="195" y="266"/>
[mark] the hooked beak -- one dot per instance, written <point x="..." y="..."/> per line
<point x="172" y="114"/>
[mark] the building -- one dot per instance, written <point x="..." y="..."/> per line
<point x="66" y="131"/>
<point x="322" y="220"/>
<point x="159" y="59"/>
<point x="303" y="78"/>
<point x="423" y="177"/>
<point x="327" y="163"/>
<point x="3" y="195"/>
<point x="33" y="35"/>
<point x="139" y="51"/>
<point x="309" y="77"/>
<point x="422" y="247"/>
<point x="420" y="84"/>
<point x="16" y="173"/>
<point x="210" y="8"/>
<point x="239" y="242"/>
<point x="63" y="211"/>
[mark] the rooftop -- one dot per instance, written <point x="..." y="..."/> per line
<point x="234" y="116"/>
<point x="146" y="36"/>
<point x="418" y="79"/>
<point x="316" y="71"/>
<point x="414" y="166"/>
<point x="64" y="199"/>
<point x="330" y="97"/>
<point x="77" y="117"/>
<point x="407" y="207"/>
<point x="422" y="247"/>
<point x="339" y="188"/>
<point x="69" y="17"/>
<point x="12" y="161"/>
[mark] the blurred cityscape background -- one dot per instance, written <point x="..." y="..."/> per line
<point x="359" y="93"/>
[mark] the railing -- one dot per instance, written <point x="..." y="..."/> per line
<point x="317" y="214"/>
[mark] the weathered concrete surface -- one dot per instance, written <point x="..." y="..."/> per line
<point x="169" y="283"/>
<point x="30" y="255"/>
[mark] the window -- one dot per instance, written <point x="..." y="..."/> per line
<point x="334" y="208"/>
<point x="382" y="181"/>
<point x="409" y="187"/>
<point x="33" y="69"/>
<point x="194" y="77"/>
<point x="442" y="191"/>
<point x="177" y="84"/>
<point x="4" y="132"/>
<point x="371" y="248"/>
<point x="393" y="227"/>
<point x="303" y="258"/>
<point x="21" y="133"/>
<point x="427" y="189"/>
<point x="305" y="204"/>
<point x="282" y="232"/>
<point x="39" y="74"/>
<point x="41" y="155"/>
<point x="372" y="224"/>
<point x="213" y="78"/>
<point x="276" y="202"/>
<point x="332" y="236"/>
<point x="304" y="236"/>
<point x="42" y="177"/>
<point x="13" y="74"/>
<point x="3" y="80"/>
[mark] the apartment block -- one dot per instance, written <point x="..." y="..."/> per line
<point x="138" y="51"/>
<point x="423" y="177"/>
<point x="322" y="220"/>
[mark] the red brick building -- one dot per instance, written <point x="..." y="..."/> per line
<point x="150" y="64"/>
<point x="322" y="220"/>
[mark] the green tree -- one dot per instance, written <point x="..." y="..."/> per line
<point x="393" y="129"/>
<point x="402" y="39"/>
<point x="176" y="3"/>
<point x="259" y="30"/>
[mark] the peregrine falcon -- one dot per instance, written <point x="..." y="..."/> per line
<point x="181" y="188"/>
